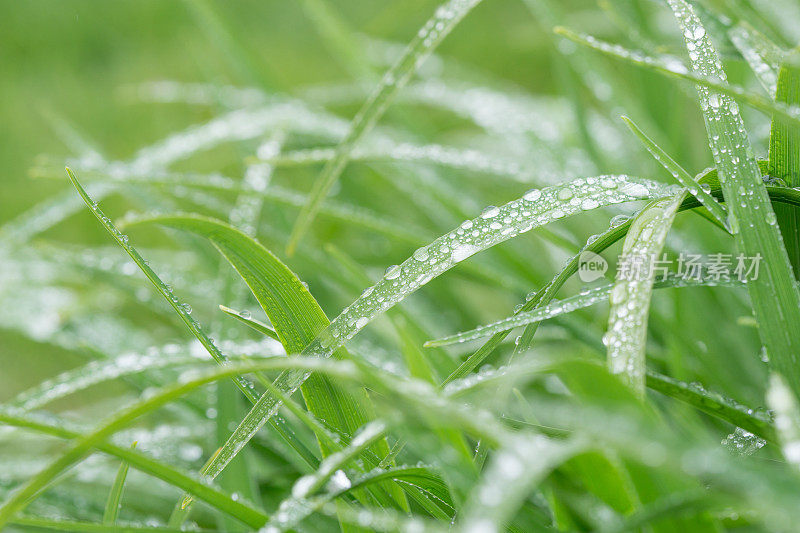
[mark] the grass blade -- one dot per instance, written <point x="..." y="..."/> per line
<point x="674" y="68"/>
<point x="495" y="225"/>
<point x="297" y="319"/>
<point x="784" y="160"/>
<point x="556" y="308"/>
<point x="114" y="501"/>
<point x="763" y="56"/>
<point x="774" y="294"/>
<point x="683" y="177"/>
<point x="244" y="317"/>
<point x="447" y="16"/>
<point x="626" y="336"/>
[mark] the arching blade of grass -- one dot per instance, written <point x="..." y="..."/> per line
<point x="495" y="225"/>
<point x="784" y="158"/>
<point x="774" y="294"/>
<point x="297" y="319"/>
<point x="447" y="16"/>
<point x="757" y="422"/>
<point x="556" y="308"/>
<point x="787" y="418"/>
<point x="683" y="177"/>
<point x="96" y="438"/>
<point x="115" y="496"/>
<point x="99" y="371"/>
<point x="626" y="336"/>
<point x="763" y="56"/>
<point x="446" y="156"/>
<point x="674" y="68"/>
<point x="244" y="317"/>
<point x="183" y="311"/>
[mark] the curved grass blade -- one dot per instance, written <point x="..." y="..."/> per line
<point x="773" y="293"/>
<point x="297" y="319"/>
<point x="755" y="421"/>
<point x="181" y="309"/>
<point x="673" y="67"/>
<point x="244" y="317"/>
<point x="115" y="496"/>
<point x="169" y="474"/>
<point x="763" y="56"/>
<point x="184" y="312"/>
<point x="787" y="418"/>
<point x="784" y="159"/>
<point x="495" y="225"/>
<point x="626" y="336"/>
<point x="586" y="298"/>
<point x="447" y="16"/>
<point x="84" y="444"/>
<point x="683" y="177"/>
<point x="597" y="244"/>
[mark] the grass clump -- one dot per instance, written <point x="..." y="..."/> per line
<point x="456" y="199"/>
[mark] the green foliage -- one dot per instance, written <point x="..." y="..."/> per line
<point x="435" y="189"/>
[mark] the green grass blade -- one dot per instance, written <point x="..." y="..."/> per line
<point x="787" y="418"/>
<point x="169" y="474"/>
<point x="114" y="501"/>
<point x="181" y="309"/>
<point x="83" y="445"/>
<point x="763" y="56"/>
<point x="784" y="160"/>
<point x="757" y="422"/>
<point x="297" y="319"/>
<point x="674" y="68"/>
<point x="447" y="16"/>
<point x="556" y="308"/>
<point x="244" y="317"/>
<point x="680" y="174"/>
<point x="626" y="336"/>
<point x="495" y="225"/>
<point x="774" y="294"/>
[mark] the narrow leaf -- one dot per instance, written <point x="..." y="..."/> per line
<point x="447" y="16"/>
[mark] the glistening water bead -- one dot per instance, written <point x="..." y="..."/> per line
<point x="493" y="226"/>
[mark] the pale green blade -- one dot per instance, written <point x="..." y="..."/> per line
<point x="447" y="16"/>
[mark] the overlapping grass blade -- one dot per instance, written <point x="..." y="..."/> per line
<point x="774" y="294"/>
<point x="763" y="56"/>
<point x="626" y="336"/>
<point x="115" y="496"/>
<point x="244" y="317"/>
<point x="586" y="298"/>
<point x="447" y="16"/>
<point x="94" y="439"/>
<point x="297" y="319"/>
<point x="683" y="177"/>
<point x="674" y="68"/>
<point x="784" y="158"/>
